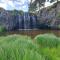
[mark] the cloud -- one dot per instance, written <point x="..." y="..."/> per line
<point x="14" y="4"/>
<point x="3" y="5"/>
<point x="30" y="0"/>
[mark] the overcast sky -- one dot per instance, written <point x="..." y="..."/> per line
<point x="14" y="4"/>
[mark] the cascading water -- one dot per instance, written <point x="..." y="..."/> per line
<point x="27" y="21"/>
<point x="21" y="22"/>
<point x="34" y="21"/>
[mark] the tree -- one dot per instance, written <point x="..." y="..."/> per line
<point x="21" y="12"/>
<point x="14" y="12"/>
<point x="33" y="6"/>
<point x="56" y="8"/>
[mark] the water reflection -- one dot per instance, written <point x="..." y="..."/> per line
<point x="33" y="32"/>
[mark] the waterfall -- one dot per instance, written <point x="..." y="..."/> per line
<point x="34" y="21"/>
<point x="27" y="21"/>
<point x="21" y="22"/>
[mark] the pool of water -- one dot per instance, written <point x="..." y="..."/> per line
<point x="33" y="33"/>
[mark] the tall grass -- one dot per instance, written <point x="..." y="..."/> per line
<point x="49" y="46"/>
<point x="17" y="47"/>
<point x="47" y="40"/>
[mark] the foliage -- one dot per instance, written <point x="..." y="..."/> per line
<point x="38" y="3"/>
<point x="15" y="12"/>
<point x="58" y="26"/>
<point x="47" y="40"/>
<point x="58" y="15"/>
<point x="32" y="7"/>
<point x="49" y="46"/>
<point x="2" y="29"/>
<point x="51" y="53"/>
<point x="21" y="12"/>
<point x="21" y="47"/>
<point x="16" y="47"/>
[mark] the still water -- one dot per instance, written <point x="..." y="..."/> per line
<point x="33" y="33"/>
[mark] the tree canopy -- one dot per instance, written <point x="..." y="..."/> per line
<point x="38" y="3"/>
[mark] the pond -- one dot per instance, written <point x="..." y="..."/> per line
<point x="33" y="33"/>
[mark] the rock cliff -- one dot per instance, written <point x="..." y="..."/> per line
<point x="50" y="16"/>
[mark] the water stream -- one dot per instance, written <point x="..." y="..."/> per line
<point x="27" y="21"/>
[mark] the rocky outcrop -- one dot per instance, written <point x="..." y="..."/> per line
<point x="14" y="20"/>
<point x="50" y="16"/>
<point x="7" y="19"/>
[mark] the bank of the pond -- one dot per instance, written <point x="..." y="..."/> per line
<point x="33" y="33"/>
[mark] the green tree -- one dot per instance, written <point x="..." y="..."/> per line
<point x="14" y="12"/>
<point x="21" y="12"/>
<point x="33" y="5"/>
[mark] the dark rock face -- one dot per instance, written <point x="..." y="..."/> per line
<point x="50" y="16"/>
<point x="8" y="20"/>
<point x="17" y="21"/>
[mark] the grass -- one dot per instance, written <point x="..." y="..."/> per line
<point x="17" y="47"/>
<point x="49" y="46"/>
<point x="21" y="47"/>
<point x="47" y="40"/>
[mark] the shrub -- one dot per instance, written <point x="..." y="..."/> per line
<point x="2" y="29"/>
<point x="58" y="26"/>
<point x="47" y="40"/>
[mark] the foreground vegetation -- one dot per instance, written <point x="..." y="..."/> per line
<point x="2" y="29"/>
<point x="18" y="47"/>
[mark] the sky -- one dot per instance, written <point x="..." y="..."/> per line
<point x="14" y="4"/>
